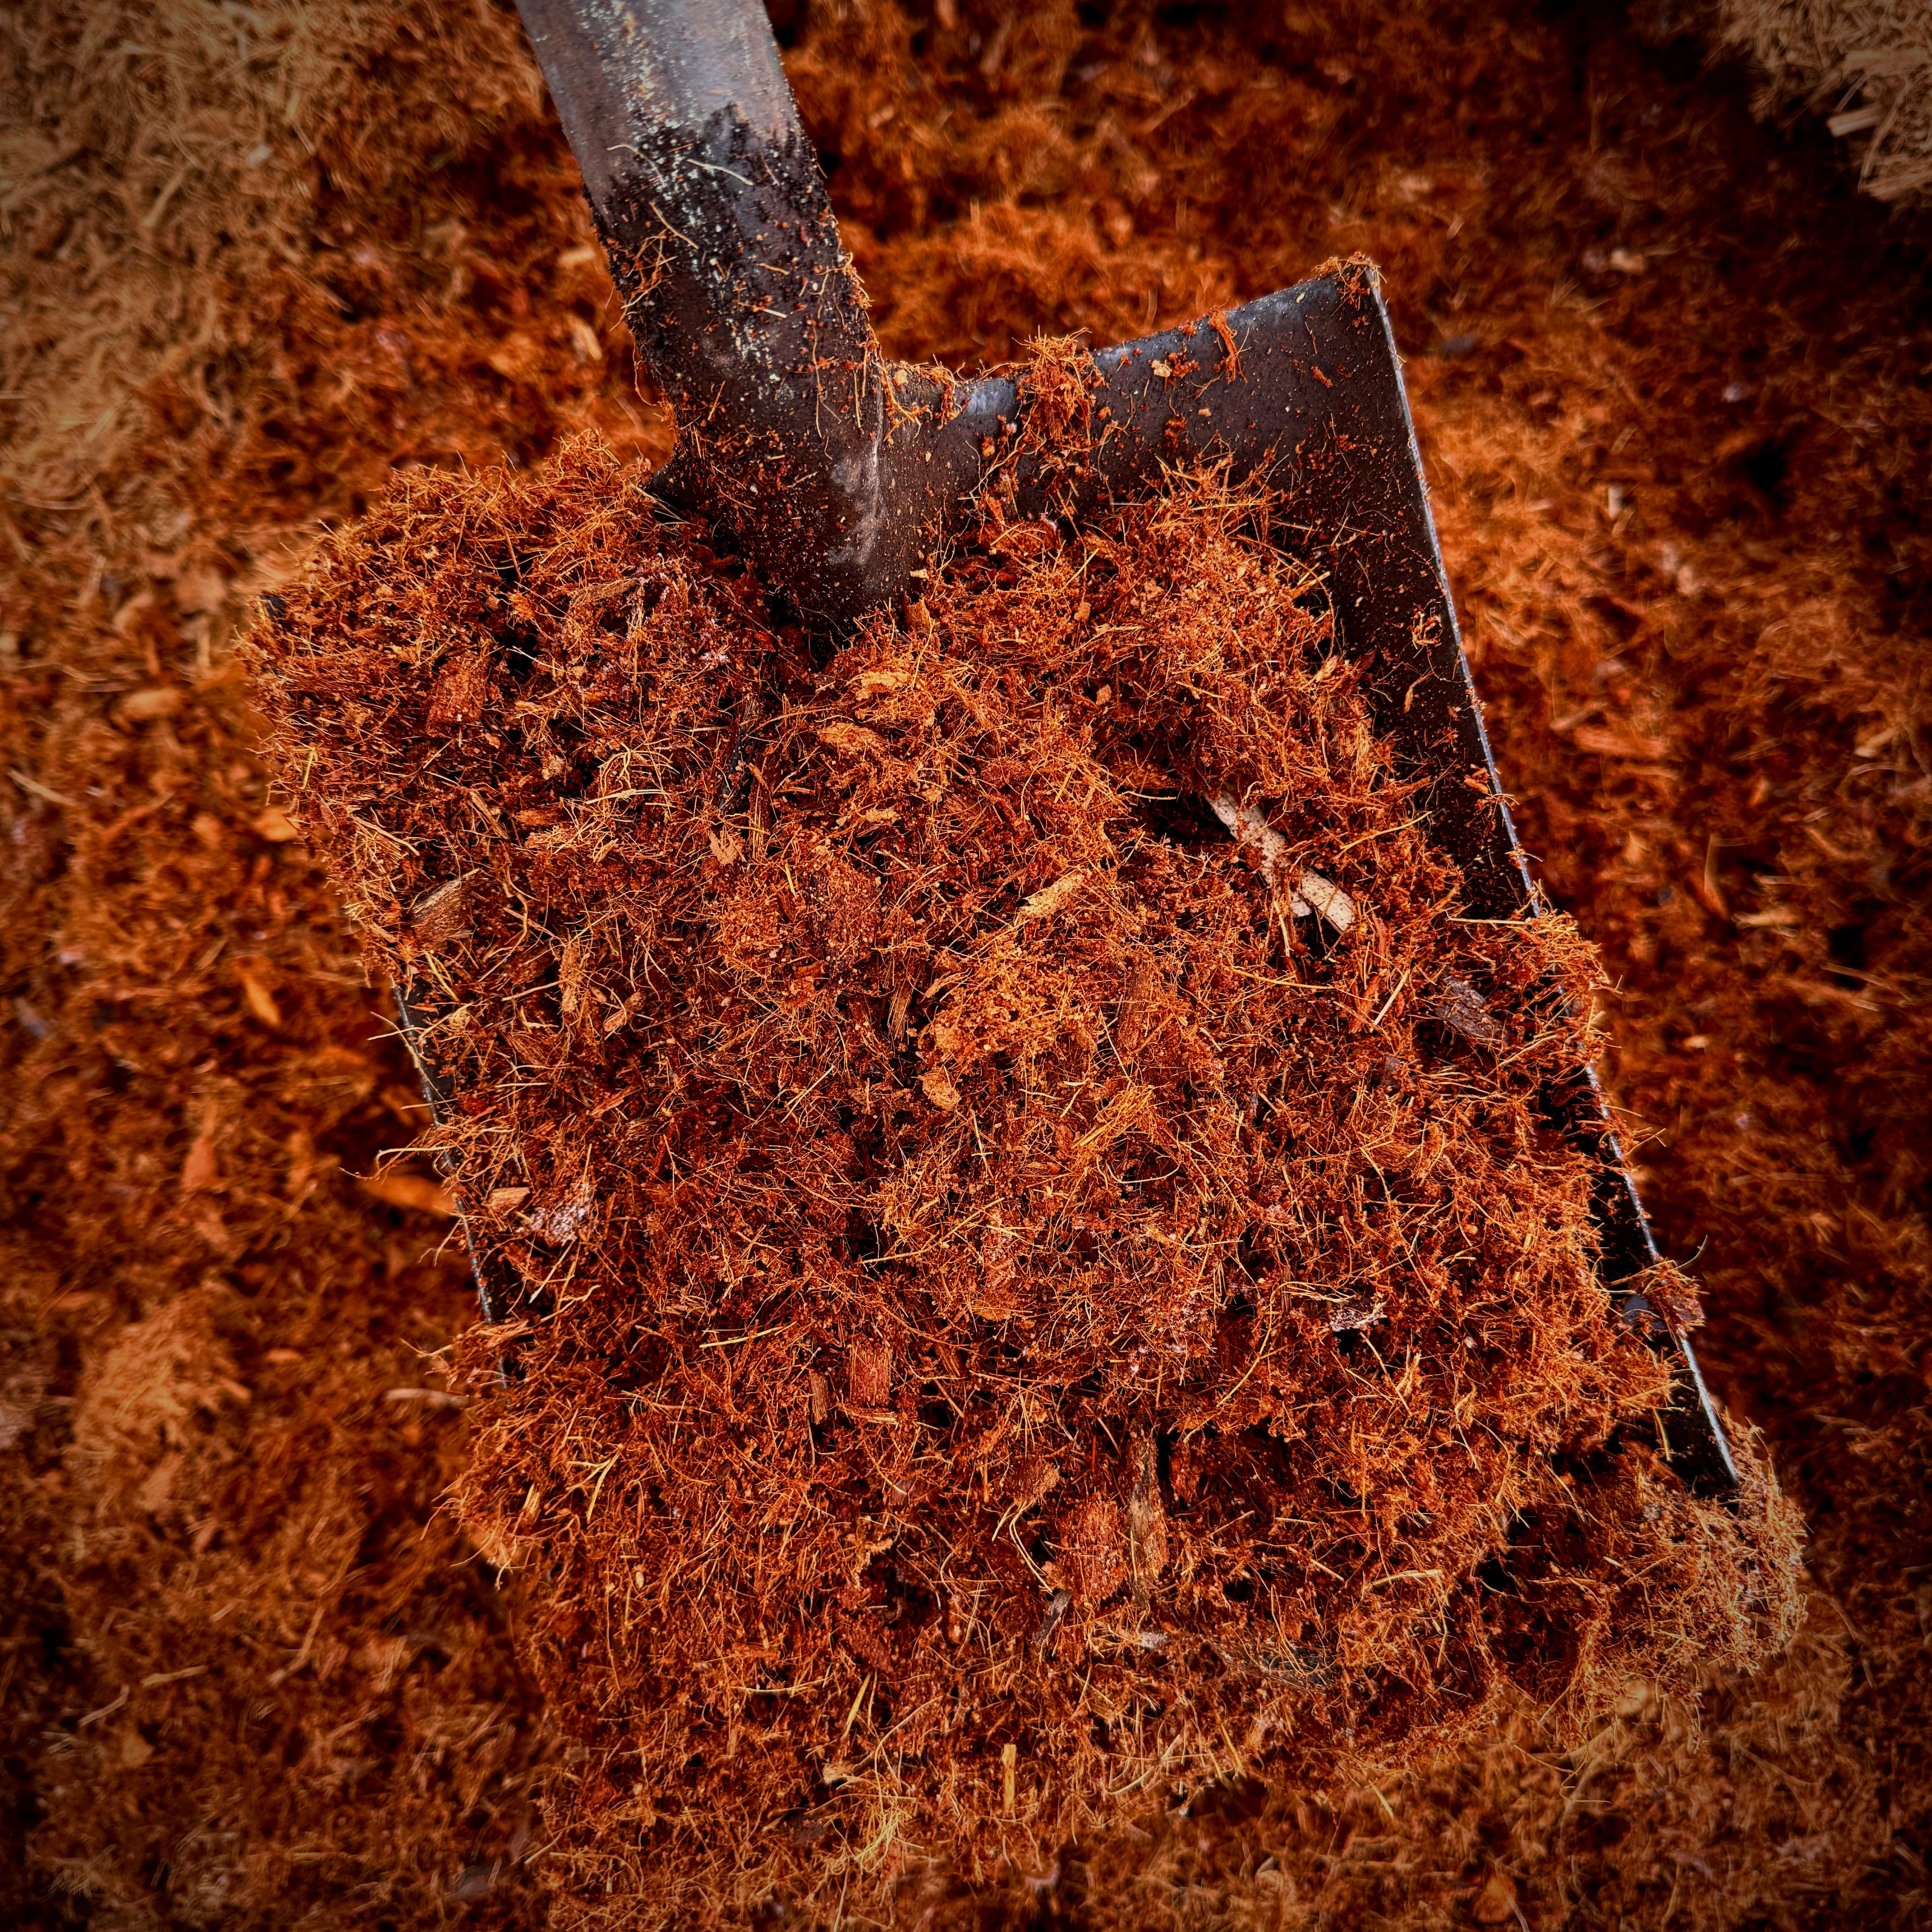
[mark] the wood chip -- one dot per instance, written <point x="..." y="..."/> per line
<point x="160" y="701"/>
<point x="261" y="1002"/>
<point x="1311" y="892"/>
<point x="1460" y="1007"/>
<point x="1327" y="898"/>
<point x="460" y="692"/>
<point x="1050" y="899"/>
<point x="438" y="914"/>
<point x="411" y="1190"/>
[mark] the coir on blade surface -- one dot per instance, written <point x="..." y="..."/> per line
<point x="1042" y="1271"/>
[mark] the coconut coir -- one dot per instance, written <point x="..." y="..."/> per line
<point x="1019" y="1293"/>
<point x="1710" y="704"/>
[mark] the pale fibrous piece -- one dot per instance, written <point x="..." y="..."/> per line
<point x="1358" y="1313"/>
<point x="1327" y="898"/>
<point x="437" y="914"/>
<point x="1310" y="893"/>
<point x="1254" y="832"/>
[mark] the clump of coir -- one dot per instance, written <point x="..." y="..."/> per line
<point x="1042" y="1271"/>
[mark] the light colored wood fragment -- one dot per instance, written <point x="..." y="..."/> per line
<point x="1310" y="893"/>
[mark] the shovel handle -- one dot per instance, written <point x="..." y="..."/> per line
<point x="711" y="205"/>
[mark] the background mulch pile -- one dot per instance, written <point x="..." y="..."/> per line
<point x="1680" y="452"/>
<point x="1865" y="65"/>
<point x="989" y="1270"/>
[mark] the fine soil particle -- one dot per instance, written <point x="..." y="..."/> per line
<point x="1224" y="1367"/>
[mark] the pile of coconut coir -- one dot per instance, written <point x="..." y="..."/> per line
<point x="1038" y="1271"/>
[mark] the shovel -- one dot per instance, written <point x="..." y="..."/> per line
<point x="838" y="472"/>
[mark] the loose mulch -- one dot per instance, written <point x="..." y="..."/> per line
<point x="1679" y="450"/>
<point x="1005" y="1288"/>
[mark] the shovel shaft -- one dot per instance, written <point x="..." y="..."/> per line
<point x="713" y="209"/>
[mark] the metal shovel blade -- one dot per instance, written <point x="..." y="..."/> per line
<point x="839" y="473"/>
